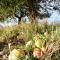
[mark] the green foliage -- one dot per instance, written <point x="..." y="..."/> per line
<point x="11" y="3"/>
<point x="4" y="13"/>
<point x="8" y="7"/>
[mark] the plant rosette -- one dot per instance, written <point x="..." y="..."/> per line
<point x="38" y="44"/>
<point x="38" y="53"/>
<point x="16" y="54"/>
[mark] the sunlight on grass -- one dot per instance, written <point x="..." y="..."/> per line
<point x="39" y="35"/>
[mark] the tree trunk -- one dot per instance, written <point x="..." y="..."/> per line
<point x="31" y="9"/>
<point x="30" y="5"/>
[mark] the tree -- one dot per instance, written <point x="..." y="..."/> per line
<point x="8" y="7"/>
<point x="32" y="8"/>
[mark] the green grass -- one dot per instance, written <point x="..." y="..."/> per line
<point x="26" y="32"/>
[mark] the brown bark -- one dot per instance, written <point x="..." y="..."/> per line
<point x="31" y="9"/>
<point x="30" y="5"/>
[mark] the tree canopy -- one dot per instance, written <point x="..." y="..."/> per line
<point x="9" y="6"/>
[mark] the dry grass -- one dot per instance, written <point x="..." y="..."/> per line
<point x="19" y="35"/>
